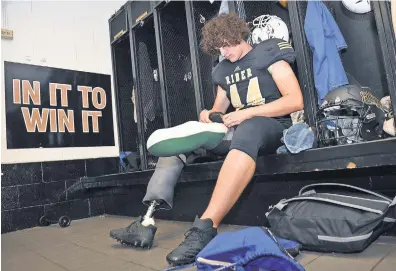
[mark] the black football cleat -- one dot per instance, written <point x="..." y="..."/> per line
<point x="135" y="234"/>
<point x="197" y="237"/>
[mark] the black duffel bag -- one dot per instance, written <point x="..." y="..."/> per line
<point x="332" y="217"/>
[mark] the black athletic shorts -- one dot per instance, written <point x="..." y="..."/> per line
<point x="255" y="136"/>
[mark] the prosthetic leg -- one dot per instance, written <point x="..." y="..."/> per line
<point x="148" y="218"/>
<point x="159" y="195"/>
<point x="168" y="144"/>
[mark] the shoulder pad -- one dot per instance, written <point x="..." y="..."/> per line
<point x="270" y="51"/>
<point x="218" y="74"/>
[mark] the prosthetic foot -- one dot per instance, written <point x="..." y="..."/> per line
<point x="197" y="237"/>
<point x="139" y="233"/>
<point x="185" y="138"/>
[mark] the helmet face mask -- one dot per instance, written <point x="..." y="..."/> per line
<point x="338" y="128"/>
<point x="348" y="115"/>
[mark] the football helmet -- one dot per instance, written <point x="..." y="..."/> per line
<point x="357" y="6"/>
<point x="350" y="114"/>
<point x="268" y="27"/>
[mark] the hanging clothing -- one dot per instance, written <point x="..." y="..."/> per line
<point x="393" y="12"/>
<point x="224" y="7"/>
<point x="240" y="7"/>
<point x="325" y="40"/>
<point x="147" y="91"/>
<point x="134" y="104"/>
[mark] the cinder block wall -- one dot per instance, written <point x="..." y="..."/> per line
<point x="31" y="190"/>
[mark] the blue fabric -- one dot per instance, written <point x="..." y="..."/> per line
<point x="251" y="248"/>
<point x="299" y="137"/>
<point x="282" y="149"/>
<point x="325" y="40"/>
<point x="122" y="156"/>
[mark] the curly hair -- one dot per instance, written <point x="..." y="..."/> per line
<point x="223" y="30"/>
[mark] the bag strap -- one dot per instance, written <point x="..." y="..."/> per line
<point x="180" y="267"/>
<point x="393" y="202"/>
<point x="270" y="234"/>
<point x="282" y="204"/>
<point x="345" y="185"/>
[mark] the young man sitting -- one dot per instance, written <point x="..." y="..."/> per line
<point x="262" y="87"/>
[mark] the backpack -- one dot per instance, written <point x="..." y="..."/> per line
<point x="333" y="217"/>
<point x="249" y="249"/>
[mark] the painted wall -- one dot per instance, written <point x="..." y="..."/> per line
<point x="72" y="35"/>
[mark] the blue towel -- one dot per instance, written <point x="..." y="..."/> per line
<point x="325" y="40"/>
<point x="298" y="138"/>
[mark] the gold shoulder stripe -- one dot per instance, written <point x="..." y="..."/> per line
<point x="285" y="47"/>
<point x="283" y="42"/>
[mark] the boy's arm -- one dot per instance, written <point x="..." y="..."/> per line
<point x="291" y="100"/>
<point x="222" y="102"/>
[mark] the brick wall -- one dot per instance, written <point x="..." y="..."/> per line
<point x="31" y="190"/>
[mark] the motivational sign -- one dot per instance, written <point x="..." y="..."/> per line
<point x="50" y="107"/>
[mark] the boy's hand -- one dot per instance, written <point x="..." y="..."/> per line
<point x="235" y="118"/>
<point x="204" y="116"/>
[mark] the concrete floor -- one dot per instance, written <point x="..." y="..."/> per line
<point x="86" y="246"/>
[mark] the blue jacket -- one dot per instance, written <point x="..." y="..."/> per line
<point x="325" y="40"/>
<point x="247" y="249"/>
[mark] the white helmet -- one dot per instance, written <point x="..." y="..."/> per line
<point x="357" y="6"/>
<point x="268" y="27"/>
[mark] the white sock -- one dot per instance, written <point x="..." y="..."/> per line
<point x="148" y="221"/>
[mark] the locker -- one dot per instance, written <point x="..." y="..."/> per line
<point x="118" y="24"/>
<point x="148" y="86"/>
<point x="368" y="60"/>
<point x="176" y="63"/>
<point x="172" y="75"/>
<point x="198" y="12"/>
<point x="139" y="10"/>
<point x="128" y="131"/>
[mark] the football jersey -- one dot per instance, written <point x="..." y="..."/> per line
<point x="247" y="81"/>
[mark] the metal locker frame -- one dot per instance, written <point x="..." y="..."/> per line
<point x="197" y="80"/>
<point x="305" y="72"/>
<point x="192" y="38"/>
<point x="160" y="56"/>
<point x="155" y="5"/>
<point x="138" y="101"/>
<point x="383" y="20"/>
<point x="113" y="66"/>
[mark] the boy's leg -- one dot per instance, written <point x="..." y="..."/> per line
<point x="237" y="170"/>
<point x="160" y="190"/>
<point x="257" y="134"/>
<point x="159" y="195"/>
